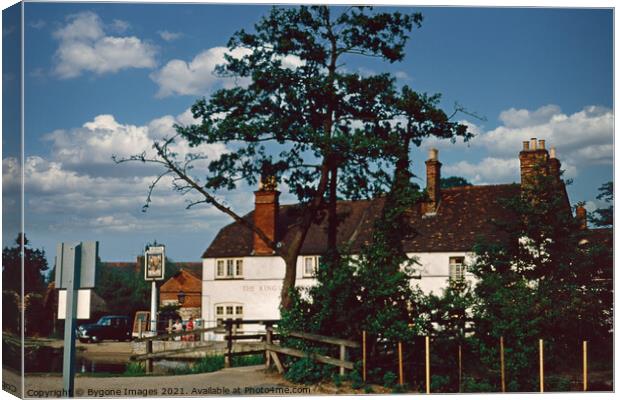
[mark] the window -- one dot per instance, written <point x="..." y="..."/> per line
<point x="457" y="269"/>
<point x="310" y="266"/>
<point x="228" y="311"/>
<point x="229" y="268"/>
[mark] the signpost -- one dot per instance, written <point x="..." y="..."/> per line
<point x="75" y="269"/>
<point x="154" y="270"/>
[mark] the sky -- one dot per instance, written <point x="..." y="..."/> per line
<point x="104" y="79"/>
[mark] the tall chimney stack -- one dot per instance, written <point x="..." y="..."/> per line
<point x="433" y="176"/>
<point x="266" y="208"/>
<point x="534" y="160"/>
<point x="554" y="165"/>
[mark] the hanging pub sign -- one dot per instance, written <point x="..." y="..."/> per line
<point x="154" y="263"/>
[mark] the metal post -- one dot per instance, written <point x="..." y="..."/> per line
<point x="229" y="344"/>
<point x="428" y="365"/>
<point x="585" y="366"/>
<point x="364" y="356"/>
<point x="501" y="363"/>
<point x="400" y="363"/>
<point x="72" y="270"/>
<point x="542" y="368"/>
<point x="154" y="308"/>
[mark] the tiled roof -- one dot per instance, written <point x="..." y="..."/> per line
<point x="464" y="214"/>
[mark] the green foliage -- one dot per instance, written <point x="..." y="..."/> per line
<point x="604" y="217"/>
<point x="538" y="281"/>
<point x="440" y="384"/>
<point x="473" y="385"/>
<point x="307" y="371"/>
<point x="355" y="378"/>
<point x="35" y="265"/>
<point x="453" y="181"/>
<point x="124" y="289"/>
<point x="251" y="359"/>
<point x="135" y="369"/>
<point x="389" y="379"/>
<point x="208" y="364"/>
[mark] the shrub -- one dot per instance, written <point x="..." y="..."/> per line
<point x="252" y="359"/>
<point x="440" y="384"/>
<point x="389" y="379"/>
<point x="134" y="369"/>
<point x="208" y="364"/>
<point x="307" y="371"/>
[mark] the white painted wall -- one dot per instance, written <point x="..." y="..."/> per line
<point x="259" y="290"/>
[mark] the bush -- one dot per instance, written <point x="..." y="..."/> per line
<point x="471" y="385"/>
<point x="208" y="364"/>
<point x="440" y="384"/>
<point x="307" y="371"/>
<point x="134" y="369"/>
<point x="389" y="379"/>
<point x="557" y="383"/>
<point x="252" y="359"/>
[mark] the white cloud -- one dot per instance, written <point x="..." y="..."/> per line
<point x="489" y="170"/>
<point x="581" y="139"/>
<point x="78" y="186"/>
<point x="84" y="46"/>
<point x="197" y="76"/>
<point x="94" y="144"/>
<point x="169" y="36"/>
<point x="119" y="26"/>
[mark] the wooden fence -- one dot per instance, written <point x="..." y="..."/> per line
<point x="269" y="342"/>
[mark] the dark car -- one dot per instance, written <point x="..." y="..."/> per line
<point x="113" y="327"/>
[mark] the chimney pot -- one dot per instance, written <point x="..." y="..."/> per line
<point x="541" y="144"/>
<point x="581" y="216"/>
<point x="533" y="144"/>
<point x="432" y="154"/>
<point x="552" y="152"/>
<point x="526" y="145"/>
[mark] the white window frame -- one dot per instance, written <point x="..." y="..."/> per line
<point x="228" y="311"/>
<point x="456" y="271"/>
<point x="314" y="267"/>
<point x="229" y="268"/>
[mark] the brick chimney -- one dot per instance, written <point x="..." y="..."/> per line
<point x="554" y="165"/>
<point x="534" y="160"/>
<point x="581" y="216"/>
<point x="433" y="176"/>
<point x="265" y="214"/>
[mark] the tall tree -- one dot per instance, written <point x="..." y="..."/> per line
<point x="303" y="118"/>
<point x="35" y="265"/>
<point x="539" y="280"/>
<point x="604" y="217"/>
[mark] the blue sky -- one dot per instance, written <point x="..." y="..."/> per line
<point x="104" y="79"/>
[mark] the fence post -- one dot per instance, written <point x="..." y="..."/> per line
<point x="460" y="367"/>
<point x="228" y="358"/>
<point x="400" y="363"/>
<point x="501" y="364"/>
<point x="364" y="356"/>
<point x="541" y="362"/>
<point x="149" y="360"/>
<point x="268" y="340"/>
<point x="140" y="329"/>
<point x="428" y="364"/>
<point x="343" y="357"/>
<point x="585" y="366"/>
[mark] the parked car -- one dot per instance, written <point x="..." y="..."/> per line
<point x="113" y="327"/>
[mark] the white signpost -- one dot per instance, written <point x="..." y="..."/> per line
<point x="75" y="269"/>
<point x="154" y="270"/>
